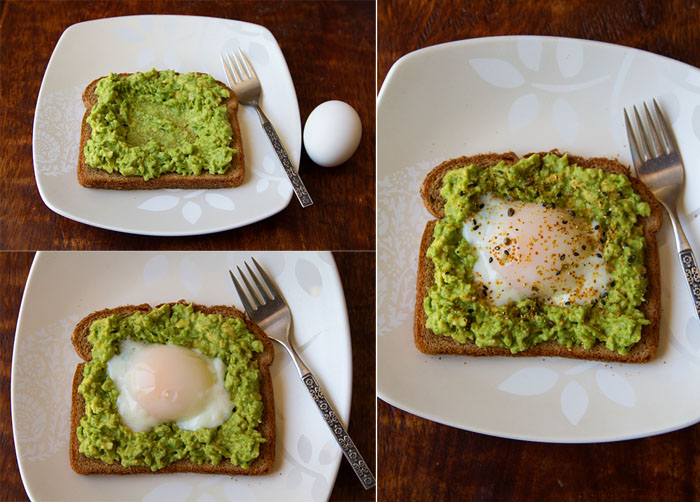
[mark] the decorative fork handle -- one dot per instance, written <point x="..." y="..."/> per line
<point x="692" y="275"/>
<point x="688" y="261"/>
<point x="341" y="435"/>
<point x="297" y="184"/>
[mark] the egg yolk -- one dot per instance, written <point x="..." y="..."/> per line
<point x="532" y="247"/>
<point x="169" y="382"/>
<point x="527" y="249"/>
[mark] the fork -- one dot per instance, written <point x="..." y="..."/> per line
<point x="658" y="164"/>
<point x="269" y="310"/>
<point x="243" y="80"/>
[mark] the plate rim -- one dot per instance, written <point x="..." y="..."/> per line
<point x="45" y="197"/>
<point x="510" y="38"/>
<point x="343" y="322"/>
<point x="383" y="392"/>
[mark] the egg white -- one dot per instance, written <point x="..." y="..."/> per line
<point x="214" y="409"/>
<point x="527" y="250"/>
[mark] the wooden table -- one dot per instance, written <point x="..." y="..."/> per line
<point x="330" y="51"/>
<point x="357" y="274"/>
<point x="423" y="460"/>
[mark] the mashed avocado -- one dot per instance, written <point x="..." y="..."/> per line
<point x="101" y="433"/>
<point x="149" y="124"/>
<point x="455" y="305"/>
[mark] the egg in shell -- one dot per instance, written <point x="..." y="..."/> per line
<point x="332" y="133"/>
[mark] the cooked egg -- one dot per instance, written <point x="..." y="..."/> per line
<point x="166" y="383"/>
<point x="529" y="250"/>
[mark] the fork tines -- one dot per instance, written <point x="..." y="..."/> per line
<point x="238" y="67"/>
<point x="255" y="294"/>
<point x="655" y="135"/>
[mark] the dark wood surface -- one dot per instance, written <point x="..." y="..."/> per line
<point x="14" y="268"/>
<point x="423" y="460"/>
<point x="357" y="274"/>
<point x="330" y="51"/>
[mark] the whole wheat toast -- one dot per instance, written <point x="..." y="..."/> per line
<point x="431" y="343"/>
<point x="261" y="465"/>
<point x="98" y="178"/>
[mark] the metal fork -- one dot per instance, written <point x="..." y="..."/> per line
<point x="245" y="83"/>
<point x="269" y="310"/>
<point x="659" y="165"/>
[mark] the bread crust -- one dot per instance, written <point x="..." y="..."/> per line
<point x="261" y="465"/>
<point x="97" y="178"/>
<point x="430" y="343"/>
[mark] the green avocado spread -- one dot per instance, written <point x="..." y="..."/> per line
<point x="456" y="305"/>
<point x="157" y="122"/>
<point x="102" y="435"/>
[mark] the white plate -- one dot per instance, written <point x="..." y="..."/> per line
<point x="92" y="49"/>
<point x="63" y="287"/>
<point x="529" y="94"/>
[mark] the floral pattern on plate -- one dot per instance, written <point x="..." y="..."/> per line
<point x="44" y="362"/>
<point x="528" y="94"/>
<point x="184" y="44"/>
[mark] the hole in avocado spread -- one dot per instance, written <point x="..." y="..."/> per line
<point x="148" y="121"/>
<point x="457" y="306"/>
<point x="157" y="122"/>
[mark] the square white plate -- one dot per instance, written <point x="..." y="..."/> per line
<point x="93" y="49"/>
<point x="529" y="94"/>
<point x="63" y="287"/>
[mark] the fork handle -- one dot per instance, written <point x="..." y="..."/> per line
<point x="298" y="186"/>
<point x="688" y="261"/>
<point x="341" y="435"/>
<point x="692" y="275"/>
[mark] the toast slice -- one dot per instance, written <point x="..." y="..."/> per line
<point x="97" y="178"/>
<point x="261" y="465"/>
<point x="429" y="342"/>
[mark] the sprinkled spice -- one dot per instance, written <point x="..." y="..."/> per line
<point x="511" y="211"/>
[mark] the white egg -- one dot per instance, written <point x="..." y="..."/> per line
<point x="525" y="250"/>
<point x="167" y="383"/>
<point x="332" y="133"/>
